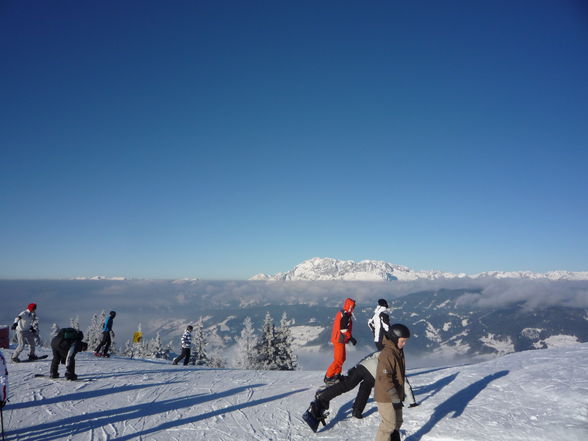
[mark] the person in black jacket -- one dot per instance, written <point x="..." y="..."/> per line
<point x="65" y="345"/>
<point x="104" y="346"/>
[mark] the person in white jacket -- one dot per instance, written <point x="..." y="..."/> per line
<point x="379" y="323"/>
<point x="26" y="326"/>
<point x="3" y="381"/>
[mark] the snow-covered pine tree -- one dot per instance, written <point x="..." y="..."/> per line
<point x="264" y="349"/>
<point x="198" y="355"/>
<point x="74" y="322"/>
<point x="245" y="347"/>
<point x="54" y="330"/>
<point x="286" y="360"/>
<point x="94" y="331"/>
<point x="215" y="345"/>
<point x="156" y="349"/>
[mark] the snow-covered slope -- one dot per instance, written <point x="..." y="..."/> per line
<point x="327" y="268"/>
<point x="527" y="396"/>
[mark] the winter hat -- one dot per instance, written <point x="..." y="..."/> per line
<point x="32" y="307"/>
<point x="112" y="314"/>
<point x="383" y="302"/>
<point x="349" y="305"/>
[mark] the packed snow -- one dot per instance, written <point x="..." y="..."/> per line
<point x="533" y="395"/>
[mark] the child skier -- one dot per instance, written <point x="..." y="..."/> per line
<point x="186" y="345"/>
<point x="340" y="336"/>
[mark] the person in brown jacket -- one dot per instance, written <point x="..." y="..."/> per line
<point x="389" y="386"/>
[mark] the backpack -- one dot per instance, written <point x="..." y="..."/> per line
<point x="71" y="334"/>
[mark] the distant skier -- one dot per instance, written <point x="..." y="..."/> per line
<point x="26" y="326"/>
<point x="389" y="386"/>
<point x="186" y="344"/>
<point x="65" y="345"/>
<point x="379" y="323"/>
<point x="3" y="381"/>
<point x="340" y="336"/>
<point x="104" y="346"/>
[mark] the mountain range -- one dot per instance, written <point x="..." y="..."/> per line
<point x="327" y="268"/>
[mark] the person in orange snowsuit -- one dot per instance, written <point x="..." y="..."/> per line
<point x="340" y="337"/>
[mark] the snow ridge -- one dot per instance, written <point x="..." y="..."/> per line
<point x="318" y="268"/>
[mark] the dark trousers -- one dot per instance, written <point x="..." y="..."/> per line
<point x="104" y="343"/>
<point x="356" y="375"/>
<point x="185" y="355"/>
<point x="60" y="349"/>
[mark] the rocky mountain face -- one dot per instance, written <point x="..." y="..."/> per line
<point x="317" y="269"/>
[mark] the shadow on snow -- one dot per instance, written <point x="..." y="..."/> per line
<point x="85" y="395"/>
<point x="72" y="426"/>
<point x="456" y="404"/>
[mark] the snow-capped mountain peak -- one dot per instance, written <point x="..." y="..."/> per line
<point x="326" y="268"/>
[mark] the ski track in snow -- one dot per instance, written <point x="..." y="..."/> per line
<point x="527" y="396"/>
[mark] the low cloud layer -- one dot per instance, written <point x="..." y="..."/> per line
<point x="150" y="301"/>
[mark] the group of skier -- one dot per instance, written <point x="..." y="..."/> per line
<point x="64" y="345"/>
<point x="383" y="370"/>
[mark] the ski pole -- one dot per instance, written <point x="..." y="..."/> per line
<point x="2" y="422"/>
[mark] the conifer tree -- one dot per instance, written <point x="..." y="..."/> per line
<point x="74" y="322"/>
<point x="215" y="345"/>
<point x="198" y="355"/>
<point x="94" y="332"/>
<point x="245" y="357"/>
<point x="264" y="349"/>
<point x="286" y="360"/>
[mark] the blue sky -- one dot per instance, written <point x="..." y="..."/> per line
<point x="220" y="139"/>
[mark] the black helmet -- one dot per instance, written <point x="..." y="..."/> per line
<point x="189" y="327"/>
<point x="383" y="302"/>
<point x="112" y="313"/>
<point x="397" y="331"/>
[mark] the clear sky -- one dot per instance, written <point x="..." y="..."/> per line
<point x="220" y="139"/>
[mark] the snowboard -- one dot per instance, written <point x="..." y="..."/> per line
<point x="40" y="357"/>
<point x="310" y="418"/>
<point x="85" y="380"/>
<point x="97" y="354"/>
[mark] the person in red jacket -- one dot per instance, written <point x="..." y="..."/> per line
<point x="341" y="335"/>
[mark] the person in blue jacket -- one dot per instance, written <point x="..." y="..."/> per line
<point x="104" y="346"/>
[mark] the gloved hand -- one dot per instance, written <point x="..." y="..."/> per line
<point x="14" y="326"/>
<point x="112" y="333"/>
<point x="33" y="330"/>
<point x="397" y="405"/>
<point x="2" y="404"/>
<point x="353" y="341"/>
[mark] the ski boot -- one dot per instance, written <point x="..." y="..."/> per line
<point x="71" y="376"/>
